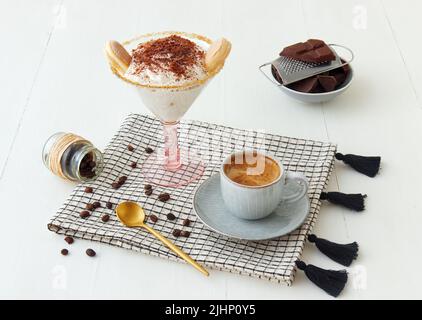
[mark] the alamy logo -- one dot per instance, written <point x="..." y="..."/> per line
<point x="358" y="276"/>
<point x="360" y="17"/>
<point x="59" y="280"/>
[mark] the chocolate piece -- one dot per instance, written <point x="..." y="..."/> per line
<point x="276" y="75"/>
<point x="306" y="85"/>
<point x="318" y="89"/>
<point x="186" y="222"/>
<point x="147" y="187"/>
<point x="148" y="192"/>
<point x="109" y="205"/>
<point x="105" y="218"/>
<point x="64" y="252"/>
<point x="327" y="82"/>
<point x="346" y="68"/>
<point x="149" y="150"/>
<point x="176" y="232"/>
<point x="134" y="165"/>
<point x="312" y="51"/>
<point x="153" y="218"/>
<point x="339" y="75"/>
<point x="115" y="185"/>
<point x="130" y="147"/>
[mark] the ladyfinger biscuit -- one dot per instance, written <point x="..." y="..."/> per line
<point x="118" y="56"/>
<point x="217" y="54"/>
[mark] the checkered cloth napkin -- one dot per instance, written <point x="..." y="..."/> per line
<point x="272" y="259"/>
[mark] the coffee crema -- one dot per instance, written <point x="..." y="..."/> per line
<point x="252" y="169"/>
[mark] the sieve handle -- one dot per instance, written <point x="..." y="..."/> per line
<point x="266" y="75"/>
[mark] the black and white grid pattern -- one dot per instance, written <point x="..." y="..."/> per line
<point x="272" y="259"/>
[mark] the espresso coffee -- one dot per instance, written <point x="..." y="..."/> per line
<point x="252" y="169"/>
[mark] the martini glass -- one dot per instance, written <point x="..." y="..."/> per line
<point x="170" y="165"/>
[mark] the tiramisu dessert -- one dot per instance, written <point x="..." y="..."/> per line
<point x="168" y="61"/>
<point x="169" y="70"/>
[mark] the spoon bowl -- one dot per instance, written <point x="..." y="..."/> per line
<point x="131" y="214"/>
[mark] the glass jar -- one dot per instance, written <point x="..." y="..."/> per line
<point x="72" y="157"/>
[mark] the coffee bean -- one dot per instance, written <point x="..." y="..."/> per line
<point x="89" y="190"/>
<point x="122" y="179"/>
<point x="147" y="187"/>
<point x="84" y="214"/>
<point x="186" y="222"/>
<point x="153" y="218"/>
<point x="130" y="147"/>
<point x="149" y="150"/>
<point x="86" y="168"/>
<point x="96" y="204"/>
<point x="176" y="232"/>
<point x="92" y="164"/>
<point x="133" y="165"/>
<point x="90" y="252"/>
<point x="148" y="192"/>
<point x="120" y="183"/>
<point x="185" y="233"/>
<point x="115" y="185"/>
<point x="88" y="174"/>
<point x="171" y="216"/>
<point x="64" y="252"/>
<point x="69" y="240"/>
<point x="164" y="197"/>
<point x="89" y="206"/>
<point x="109" y="205"/>
<point x="105" y="218"/>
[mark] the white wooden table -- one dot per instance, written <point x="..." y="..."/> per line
<point x="54" y="78"/>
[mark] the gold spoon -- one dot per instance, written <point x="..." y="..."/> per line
<point x="132" y="215"/>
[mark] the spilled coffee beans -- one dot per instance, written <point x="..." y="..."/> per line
<point x="164" y="197"/>
<point x="90" y="252"/>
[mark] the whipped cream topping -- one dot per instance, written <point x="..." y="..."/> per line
<point x="167" y="61"/>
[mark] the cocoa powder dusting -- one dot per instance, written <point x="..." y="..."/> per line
<point x="172" y="53"/>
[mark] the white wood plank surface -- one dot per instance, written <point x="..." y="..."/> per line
<point x="25" y="29"/>
<point x="56" y="79"/>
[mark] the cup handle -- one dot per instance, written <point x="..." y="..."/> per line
<point x="302" y="181"/>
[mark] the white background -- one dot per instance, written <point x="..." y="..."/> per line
<point x="54" y="78"/>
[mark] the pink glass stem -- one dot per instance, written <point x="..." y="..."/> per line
<point x="171" y="146"/>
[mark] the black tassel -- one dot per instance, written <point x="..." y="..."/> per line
<point x="366" y="165"/>
<point x="331" y="281"/>
<point x="341" y="253"/>
<point x="353" y="201"/>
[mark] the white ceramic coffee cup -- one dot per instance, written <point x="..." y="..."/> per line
<point x="257" y="202"/>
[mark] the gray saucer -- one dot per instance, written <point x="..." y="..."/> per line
<point x="209" y="207"/>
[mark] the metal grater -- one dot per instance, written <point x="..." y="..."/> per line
<point x="291" y="70"/>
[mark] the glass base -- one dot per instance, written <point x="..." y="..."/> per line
<point x="155" y="171"/>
